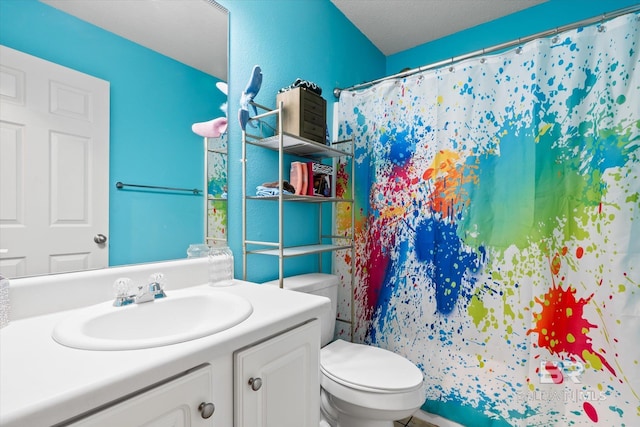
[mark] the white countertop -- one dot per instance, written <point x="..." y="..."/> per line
<point x="43" y="383"/>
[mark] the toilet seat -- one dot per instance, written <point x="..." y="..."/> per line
<point x="369" y="382"/>
<point x="368" y="368"/>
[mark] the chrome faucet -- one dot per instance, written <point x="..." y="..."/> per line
<point x="146" y="293"/>
<point x="152" y="291"/>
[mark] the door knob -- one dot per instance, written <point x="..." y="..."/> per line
<point x="206" y="409"/>
<point x="100" y="238"/>
<point x="255" y="383"/>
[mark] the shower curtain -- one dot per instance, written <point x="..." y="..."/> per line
<point x="498" y="229"/>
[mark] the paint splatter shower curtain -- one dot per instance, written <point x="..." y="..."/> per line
<point x="498" y="229"/>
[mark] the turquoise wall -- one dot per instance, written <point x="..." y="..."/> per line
<point x="546" y="16"/>
<point x="154" y="102"/>
<point x="309" y="39"/>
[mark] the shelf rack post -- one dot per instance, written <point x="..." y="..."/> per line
<point x="243" y="160"/>
<point x="280" y="197"/>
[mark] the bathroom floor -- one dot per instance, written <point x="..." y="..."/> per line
<point x="412" y="422"/>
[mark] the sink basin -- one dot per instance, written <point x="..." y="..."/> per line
<point x="179" y="317"/>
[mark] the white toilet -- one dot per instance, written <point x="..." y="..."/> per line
<point x="361" y="386"/>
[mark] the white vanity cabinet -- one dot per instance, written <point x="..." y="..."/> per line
<point x="186" y="401"/>
<point x="169" y="386"/>
<point x="276" y="381"/>
<point x="275" y="384"/>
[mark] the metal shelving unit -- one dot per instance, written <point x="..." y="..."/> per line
<point x="284" y="143"/>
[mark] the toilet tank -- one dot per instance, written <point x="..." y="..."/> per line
<point x="322" y="284"/>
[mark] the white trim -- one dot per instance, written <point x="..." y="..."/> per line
<point x="435" y="419"/>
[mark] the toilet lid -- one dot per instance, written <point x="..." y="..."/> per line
<point x="366" y="367"/>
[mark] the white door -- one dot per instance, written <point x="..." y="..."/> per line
<point x="54" y="167"/>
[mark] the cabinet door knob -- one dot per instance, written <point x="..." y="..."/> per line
<point x="206" y="409"/>
<point x="255" y="383"/>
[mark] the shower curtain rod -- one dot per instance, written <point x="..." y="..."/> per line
<point x="602" y="18"/>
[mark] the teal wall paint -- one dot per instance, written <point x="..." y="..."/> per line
<point x="310" y="39"/>
<point x="543" y="17"/>
<point x="154" y="102"/>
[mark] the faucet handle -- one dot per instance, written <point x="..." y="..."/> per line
<point x="123" y="289"/>
<point x="122" y="286"/>
<point x="157" y="282"/>
<point x="157" y="278"/>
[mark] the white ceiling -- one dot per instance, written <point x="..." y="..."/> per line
<point x="195" y="32"/>
<point x="190" y="31"/>
<point x="396" y="25"/>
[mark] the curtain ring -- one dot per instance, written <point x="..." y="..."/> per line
<point x="601" y="27"/>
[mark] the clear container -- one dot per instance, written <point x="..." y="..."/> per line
<point x="197" y="250"/>
<point x="220" y="266"/>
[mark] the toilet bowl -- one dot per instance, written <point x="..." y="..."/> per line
<point x="361" y="386"/>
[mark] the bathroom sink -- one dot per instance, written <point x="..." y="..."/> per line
<point x="181" y="316"/>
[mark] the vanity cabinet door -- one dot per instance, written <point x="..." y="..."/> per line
<point x="277" y="381"/>
<point x="182" y="402"/>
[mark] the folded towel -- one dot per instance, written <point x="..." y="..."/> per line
<point x="288" y="187"/>
<point x="305" y="84"/>
<point x="263" y="191"/>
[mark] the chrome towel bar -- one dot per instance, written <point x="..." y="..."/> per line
<point x="120" y="186"/>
